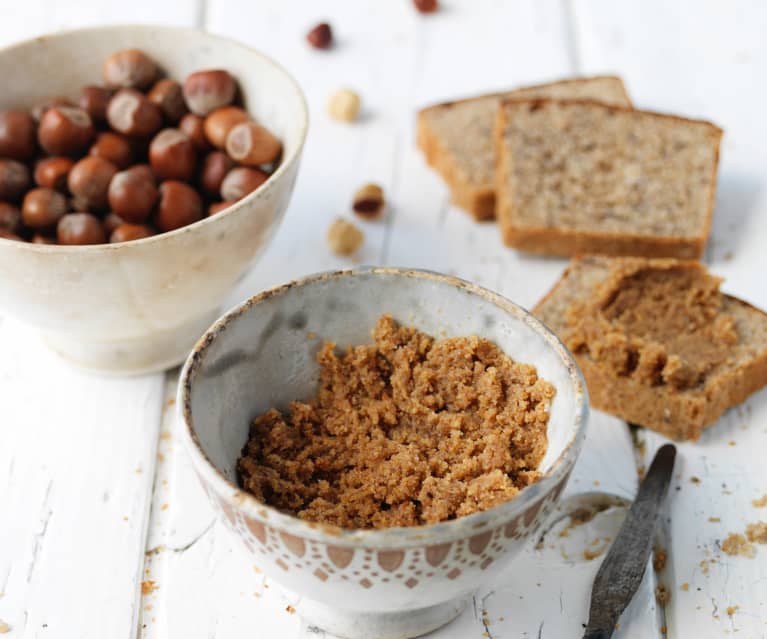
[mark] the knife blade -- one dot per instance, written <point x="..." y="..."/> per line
<point x="622" y="570"/>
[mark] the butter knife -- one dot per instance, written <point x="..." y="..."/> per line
<point x="624" y="566"/>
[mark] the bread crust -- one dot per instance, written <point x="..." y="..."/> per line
<point x="569" y="242"/>
<point x="477" y="201"/>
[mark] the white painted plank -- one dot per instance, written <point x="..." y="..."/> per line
<point x="703" y="59"/>
<point x="77" y="452"/>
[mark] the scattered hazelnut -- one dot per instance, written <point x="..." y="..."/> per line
<point x="131" y="113"/>
<point x="369" y="202"/>
<point x="168" y="96"/>
<point x="321" y="36"/>
<point x="65" y="131"/>
<point x="39" y="238"/>
<point x="113" y="147"/>
<point x="172" y="155"/>
<point x="42" y="208"/>
<point x="344" y="105"/>
<point x="10" y="217"/>
<point x="251" y="144"/>
<point x="130" y="232"/>
<point x="179" y="206"/>
<point x="343" y="237"/>
<point x="194" y="126"/>
<point x="52" y="173"/>
<point x="218" y="123"/>
<point x="94" y="101"/>
<point x="217" y="207"/>
<point x="39" y="108"/>
<point x="9" y="235"/>
<point x="241" y="181"/>
<point x="89" y="180"/>
<point x="133" y="193"/>
<point x="111" y="221"/>
<point x="129" y="68"/>
<point x="208" y="90"/>
<point x="426" y="6"/>
<point x="79" y="229"/>
<point x="14" y="179"/>
<point x="17" y="135"/>
<point x="214" y="169"/>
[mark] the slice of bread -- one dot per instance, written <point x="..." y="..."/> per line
<point x="582" y="177"/>
<point x="457" y="137"/>
<point x="658" y="343"/>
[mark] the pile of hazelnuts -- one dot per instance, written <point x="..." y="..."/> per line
<point x="137" y="156"/>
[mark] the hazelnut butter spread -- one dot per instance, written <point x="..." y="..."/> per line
<point x="661" y="324"/>
<point x="404" y="432"/>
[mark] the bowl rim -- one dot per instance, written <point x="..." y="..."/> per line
<point x="473" y="524"/>
<point x="286" y="161"/>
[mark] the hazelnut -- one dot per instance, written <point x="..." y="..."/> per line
<point x="214" y="169"/>
<point x="133" y="193"/>
<point x="10" y="217"/>
<point x="251" y="144"/>
<point x="80" y="229"/>
<point x="131" y="113"/>
<point x="39" y="238"/>
<point x="208" y="90"/>
<point x="426" y="6"/>
<point x="39" y="108"/>
<point x="42" y="208"/>
<point x="65" y="131"/>
<point x="343" y="237"/>
<point x="94" y="101"/>
<point x="369" y="202"/>
<point x="241" y="181"/>
<point x="194" y="127"/>
<point x="9" y="235"/>
<point x="17" y="135"/>
<point x="218" y="123"/>
<point x="130" y="232"/>
<point x="217" y="207"/>
<point x="172" y="155"/>
<point x="129" y="68"/>
<point x="321" y="36"/>
<point x="168" y="96"/>
<point x="179" y="206"/>
<point x="14" y="179"/>
<point x="344" y="105"/>
<point x="52" y="172"/>
<point x="113" y="147"/>
<point x="111" y="221"/>
<point x="89" y="181"/>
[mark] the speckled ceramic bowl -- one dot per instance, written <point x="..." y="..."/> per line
<point x="139" y="306"/>
<point x="365" y="584"/>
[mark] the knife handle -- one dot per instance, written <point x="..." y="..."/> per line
<point x="596" y="634"/>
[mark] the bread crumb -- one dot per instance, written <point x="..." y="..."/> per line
<point x="685" y="586"/>
<point x="165" y="435"/>
<point x="4" y="627"/>
<point x="731" y="610"/>
<point x="704" y="566"/>
<point x="695" y="480"/>
<point x="164" y="507"/>
<point x="760" y="503"/>
<point x="148" y="587"/>
<point x="714" y="520"/>
<point x="737" y="544"/>
<point x="171" y="401"/>
<point x="662" y="594"/>
<point x="663" y="630"/>
<point x="732" y="442"/>
<point x="290" y="609"/>
<point x="343" y="237"/>
<point x="659" y="559"/>
<point x="757" y="532"/>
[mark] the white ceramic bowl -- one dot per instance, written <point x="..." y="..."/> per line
<point x="365" y="584"/>
<point x="139" y="306"/>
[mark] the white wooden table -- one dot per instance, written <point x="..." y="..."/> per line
<point x="103" y="530"/>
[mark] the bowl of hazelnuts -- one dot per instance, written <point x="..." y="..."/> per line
<point x="143" y="169"/>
